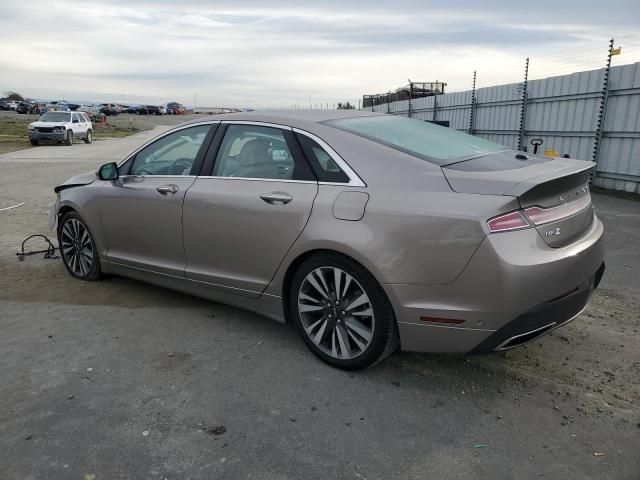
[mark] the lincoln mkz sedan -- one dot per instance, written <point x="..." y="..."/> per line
<point x="368" y="232"/>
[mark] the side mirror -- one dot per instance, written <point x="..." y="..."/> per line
<point x="75" y="120"/>
<point x="108" y="171"/>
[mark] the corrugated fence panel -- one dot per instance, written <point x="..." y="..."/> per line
<point x="562" y="111"/>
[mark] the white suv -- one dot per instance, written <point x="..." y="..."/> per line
<point x="61" y="127"/>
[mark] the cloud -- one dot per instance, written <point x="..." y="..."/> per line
<point x="278" y="53"/>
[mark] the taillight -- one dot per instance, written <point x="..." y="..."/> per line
<point x="540" y="216"/>
<point x="507" y="222"/>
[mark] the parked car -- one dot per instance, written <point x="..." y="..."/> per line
<point x="109" y="109"/>
<point x="10" y="105"/>
<point x="413" y="235"/>
<point x="61" y="127"/>
<point x="24" y="108"/>
<point x="4" y="105"/>
<point x="132" y="109"/>
<point x="175" y="108"/>
<point x="149" y="110"/>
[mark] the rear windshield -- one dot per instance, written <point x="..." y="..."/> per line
<point x="437" y="144"/>
<point x="55" y="117"/>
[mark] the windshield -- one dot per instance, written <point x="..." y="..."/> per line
<point x="56" y="117"/>
<point x="437" y="144"/>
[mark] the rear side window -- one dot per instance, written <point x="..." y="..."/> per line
<point x="325" y="168"/>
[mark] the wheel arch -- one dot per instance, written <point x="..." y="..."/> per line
<point x="293" y="266"/>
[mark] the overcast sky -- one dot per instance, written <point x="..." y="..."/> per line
<point x="275" y="53"/>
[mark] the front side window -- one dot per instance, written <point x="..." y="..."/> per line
<point x="250" y="151"/>
<point x="173" y="154"/>
<point x="434" y="143"/>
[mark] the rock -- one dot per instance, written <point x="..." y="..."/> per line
<point x="216" y="430"/>
<point x="145" y="433"/>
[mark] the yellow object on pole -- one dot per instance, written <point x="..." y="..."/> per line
<point x="616" y="51"/>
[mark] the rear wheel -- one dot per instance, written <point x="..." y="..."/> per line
<point x="77" y="248"/>
<point x="89" y="137"/>
<point x="69" y="138"/>
<point x="342" y="313"/>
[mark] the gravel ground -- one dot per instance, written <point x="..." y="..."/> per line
<point x="119" y="379"/>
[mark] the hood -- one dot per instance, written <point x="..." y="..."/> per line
<point x="47" y="124"/>
<point x="77" y="181"/>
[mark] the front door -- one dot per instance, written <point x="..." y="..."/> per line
<point x="240" y="222"/>
<point x="141" y="212"/>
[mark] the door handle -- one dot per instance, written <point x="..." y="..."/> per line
<point x="276" y="198"/>
<point x="165" y="189"/>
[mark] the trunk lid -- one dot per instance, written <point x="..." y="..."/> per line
<point x="554" y="193"/>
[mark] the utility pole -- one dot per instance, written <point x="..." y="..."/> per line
<point x="523" y="108"/>
<point x="604" y="98"/>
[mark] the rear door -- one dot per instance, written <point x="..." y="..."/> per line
<point x="141" y="212"/>
<point x="241" y="218"/>
<point x="79" y="126"/>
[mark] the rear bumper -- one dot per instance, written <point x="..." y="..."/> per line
<point x="515" y="283"/>
<point x="541" y="319"/>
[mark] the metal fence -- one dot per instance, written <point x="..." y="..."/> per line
<point x="591" y="115"/>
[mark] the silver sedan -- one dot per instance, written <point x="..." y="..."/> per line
<point x="367" y="232"/>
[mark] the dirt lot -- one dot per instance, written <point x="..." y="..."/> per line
<point x="118" y="379"/>
<point x="13" y="127"/>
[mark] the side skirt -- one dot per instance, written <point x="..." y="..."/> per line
<point x="267" y="305"/>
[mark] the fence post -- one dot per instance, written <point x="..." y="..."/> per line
<point x="435" y="104"/>
<point x="410" y="96"/>
<point x="389" y="102"/>
<point x="523" y="109"/>
<point x="603" y="110"/>
<point x="472" y="113"/>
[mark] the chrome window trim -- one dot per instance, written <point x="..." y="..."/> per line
<point x="256" y="124"/>
<point x="253" y="179"/>
<point x="162" y="135"/>
<point x="158" y="176"/>
<point x="354" y="179"/>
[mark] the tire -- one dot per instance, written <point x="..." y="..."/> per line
<point x="356" y="327"/>
<point x="78" y="248"/>
<point x="89" y="137"/>
<point x="69" y="138"/>
<point x="35" y="143"/>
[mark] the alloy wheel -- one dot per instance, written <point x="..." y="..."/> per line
<point x="76" y="247"/>
<point x="336" y="312"/>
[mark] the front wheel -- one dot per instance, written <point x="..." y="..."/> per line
<point x="342" y="312"/>
<point x="78" y="248"/>
<point x="35" y="143"/>
<point x="89" y="137"/>
<point x="69" y="138"/>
